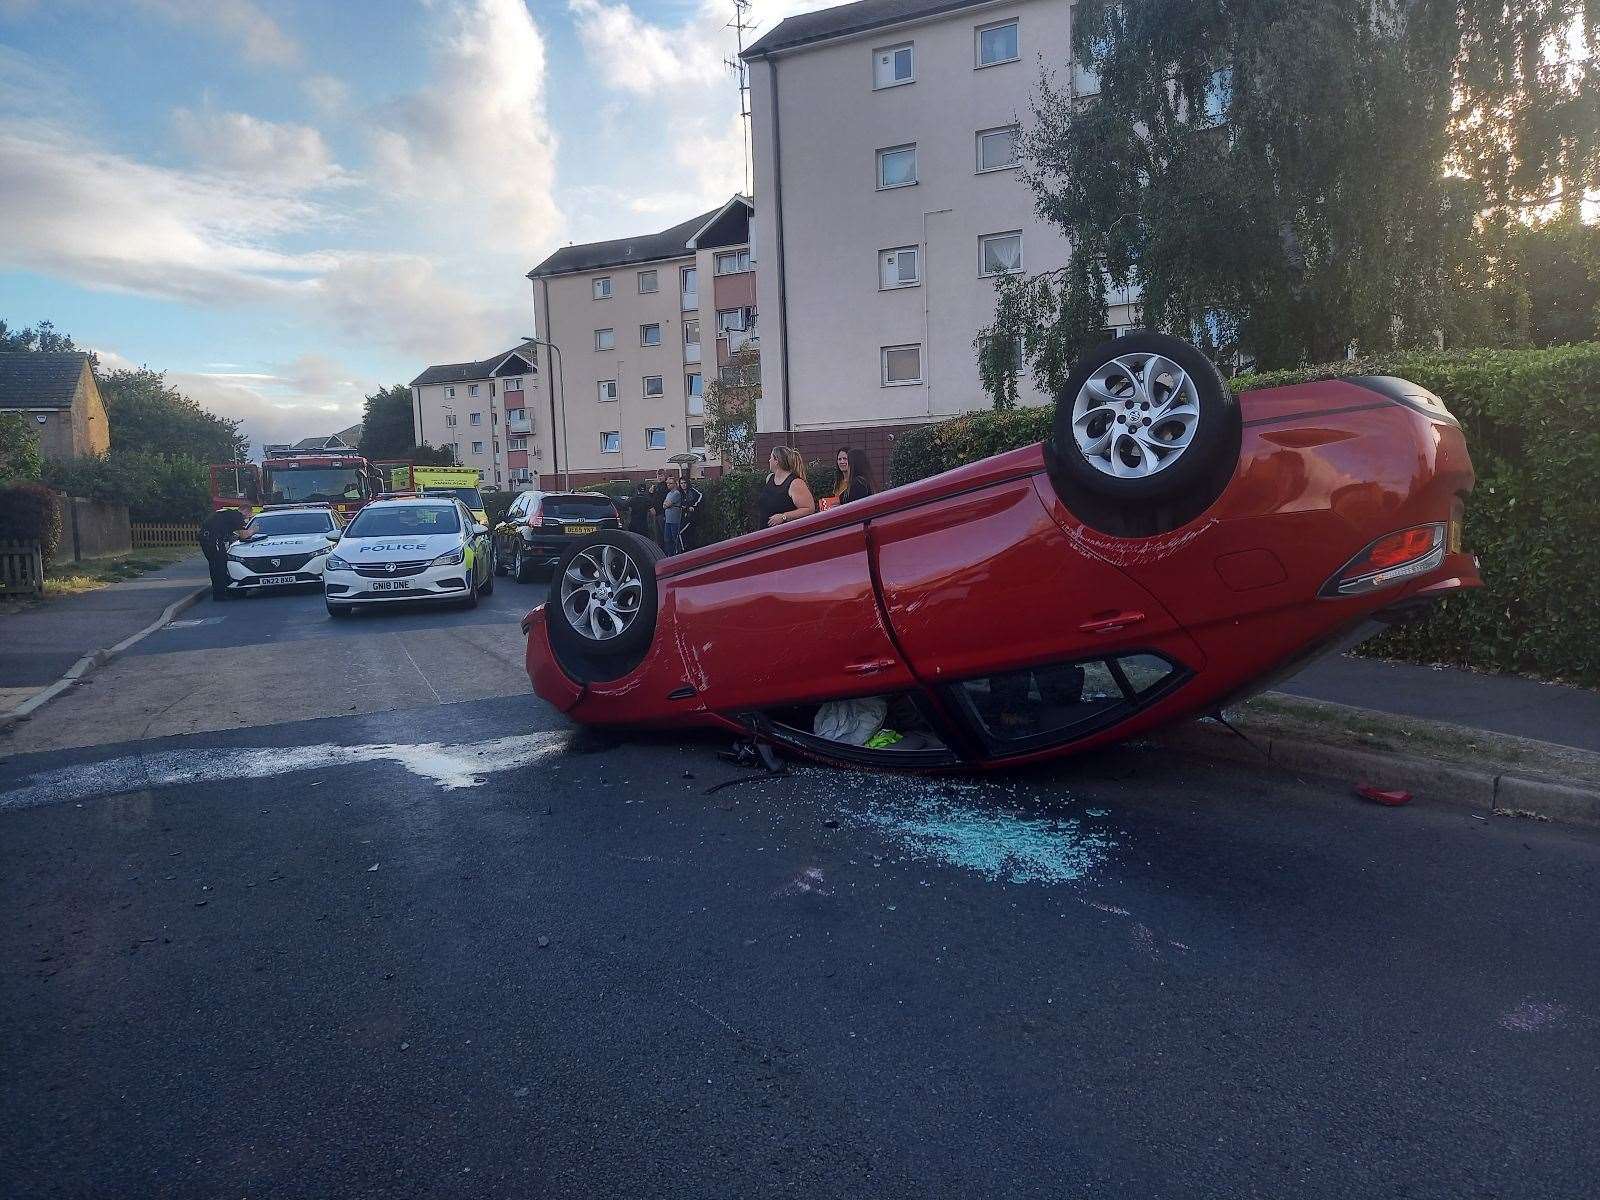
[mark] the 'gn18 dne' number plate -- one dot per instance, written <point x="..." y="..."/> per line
<point x="390" y="585"/>
<point x="580" y="528"/>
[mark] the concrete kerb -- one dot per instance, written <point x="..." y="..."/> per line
<point x="1486" y="790"/>
<point x="89" y="662"/>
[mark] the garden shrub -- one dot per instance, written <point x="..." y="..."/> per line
<point x="28" y="513"/>
<point x="1532" y="420"/>
<point x="153" y="487"/>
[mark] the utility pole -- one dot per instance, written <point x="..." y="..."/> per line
<point x="736" y="65"/>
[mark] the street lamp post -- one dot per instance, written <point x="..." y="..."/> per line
<point x="561" y="382"/>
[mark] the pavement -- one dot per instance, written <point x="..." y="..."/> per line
<point x="457" y="950"/>
<point x="40" y="644"/>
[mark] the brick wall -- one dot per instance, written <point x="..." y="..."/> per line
<point x="823" y="445"/>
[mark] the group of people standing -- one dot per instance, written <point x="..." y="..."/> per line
<point x="664" y="509"/>
<point x="786" y="496"/>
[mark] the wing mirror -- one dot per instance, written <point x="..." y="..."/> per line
<point x="332" y="535"/>
<point x="480" y="529"/>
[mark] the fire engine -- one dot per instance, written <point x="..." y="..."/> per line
<point x="340" y="478"/>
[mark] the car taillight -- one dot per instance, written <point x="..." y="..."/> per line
<point x="1392" y="558"/>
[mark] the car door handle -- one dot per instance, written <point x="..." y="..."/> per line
<point x="1111" y="622"/>
<point x="870" y="668"/>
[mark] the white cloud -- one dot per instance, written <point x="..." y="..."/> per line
<point x="403" y="300"/>
<point x="474" y="149"/>
<point x="640" y="56"/>
<point x="328" y="95"/>
<point x="257" y="35"/>
<point x="271" y="155"/>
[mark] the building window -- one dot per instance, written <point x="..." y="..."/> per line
<point x="997" y="148"/>
<point x="512" y="385"/>
<point x="602" y="288"/>
<point x="655" y="439"/>
<point x="730" y="263"/>
<point x="697" y="437"/>
<point x="691" y="384"/>
<point x="472" y="389"/>
<point x="901" y="365"/>
<point x="647" y="282"/>
<point x="689" y="287"/>
<point x="450" y="420"/>
<point x="898" y="268"/>
<point x="475" y="419"/>
<point x="652" y="385"/>
<point x="517" y="443"/>
<point x="893" y="66"/>
<point x="650" y="335"/>
<point x="897" y="166"/>
<point x="1000" y="253"/>
<point x="691" y="331"/>
<point x="997" y="43"/>
<point x="608" y="389"/>
<point x="497" y="445"/>
<point x="605" y="339"/>
<point x="1085" y="80"/>
<point x="694" y="391"/>
<point x="611" y="442"/>
<point x="477" y="447"/>
<point x="494" y="417"/>
<point x="449" y="393"/>
<point x="735" y="320"/>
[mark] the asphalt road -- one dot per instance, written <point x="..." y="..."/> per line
<point x="350" y="957"/>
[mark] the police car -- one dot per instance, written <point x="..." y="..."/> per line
<point x="282" y="547"/>
<point x="418" y="548"/>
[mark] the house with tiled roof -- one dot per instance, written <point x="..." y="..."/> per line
<point x="58" y="396"/>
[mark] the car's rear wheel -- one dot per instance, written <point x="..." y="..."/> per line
<point x="521" y="568"/>
<point x="1144" y="417"/>
<point x="603" y="595"/>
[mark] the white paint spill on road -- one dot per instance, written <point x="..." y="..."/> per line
<point x="1534" y="1014"/>
<point x="450" y="765"/>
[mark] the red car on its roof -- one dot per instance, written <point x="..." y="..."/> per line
<point x="1169" y="550"/>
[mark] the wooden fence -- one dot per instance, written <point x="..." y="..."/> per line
<point x="165" y="533"/>
<point x="21" y="569"/>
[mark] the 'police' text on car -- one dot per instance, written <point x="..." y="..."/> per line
<point x="282" y="547"/>
<point x="424" y="548"/>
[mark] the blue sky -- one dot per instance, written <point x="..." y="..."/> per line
<point x="287" y="203"/>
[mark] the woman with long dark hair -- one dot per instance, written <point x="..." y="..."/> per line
<point x="855" y="476"/>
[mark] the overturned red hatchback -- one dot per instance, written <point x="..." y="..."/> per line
<point x="1169" y="550"/>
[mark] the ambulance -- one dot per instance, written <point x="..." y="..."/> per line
<point x="459" y="483"/>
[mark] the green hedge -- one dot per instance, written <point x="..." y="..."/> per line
<point x="28" y="513"/>
<point x="1532" y="419"/>
<point x="154" y="488"/>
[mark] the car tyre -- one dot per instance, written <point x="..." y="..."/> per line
<point x="602" y="600"/>
<point x="1144" y="418"/>
<point x="521" y="568"/>
<point x="488" y="580"/>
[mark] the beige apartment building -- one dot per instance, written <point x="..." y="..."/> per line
<point x="486" y="412"/>
<point x="640" y="324"/>
<point x="888" y="201"/>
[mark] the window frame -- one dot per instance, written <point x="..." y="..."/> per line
<point x="477" y="448"/>
<point x="1021" y="256"/>
<point x="883" y="255"/>
<point x="650" y="431"/>
<point x="472" y="389"/>
<point x="475" y="418"/>
<point x="600" y="390"/>
<point x="916" y="167"/>
<point x="1015" y="130"/>
<point x="743" y="257"/>
<point x="701" y="431"/>
<point x="661" y="387"/>
<point x="655" y="282"/>
<point x="644" y="342"/>
<point x="892" y="50"/>
<point x="601" y="287"/>
<point x="977" y="43"/>
<point x="605" y="441"/>
<point x="612" y="345"/>
<point x="883" y="366"/>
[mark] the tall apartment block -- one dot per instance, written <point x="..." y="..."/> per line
<point x="888" y="202"/>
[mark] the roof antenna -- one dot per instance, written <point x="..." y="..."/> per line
<point x="736" y="65"/>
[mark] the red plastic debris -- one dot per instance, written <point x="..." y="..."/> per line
<point x="1393" y="799"/>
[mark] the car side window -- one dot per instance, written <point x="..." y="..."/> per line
<point x="1042" y="706"/>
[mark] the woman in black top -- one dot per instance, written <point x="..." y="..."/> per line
<point x="784" y="495"/>
<point x="855" y="477"/>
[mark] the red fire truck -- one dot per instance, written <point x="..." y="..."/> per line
<point x="339" y="478"/>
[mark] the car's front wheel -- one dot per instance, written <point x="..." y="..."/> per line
<point x="1144" y="417"/>
<point x="603" y="595"/>
<point x="488" y="578"/>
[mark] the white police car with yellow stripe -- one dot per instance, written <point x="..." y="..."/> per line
<point x="282" y="547"/>
<point x="418" y="548"/>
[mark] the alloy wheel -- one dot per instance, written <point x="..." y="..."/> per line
<point x="601" y="592"/>
<point x="1135" y="416"/>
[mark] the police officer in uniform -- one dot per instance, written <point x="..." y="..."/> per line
<point x="216" y="535"/>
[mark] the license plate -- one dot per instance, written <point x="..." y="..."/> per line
<point x="271" y="580"/>
<point x="581" y="528"/>
<point x="1454" y="541"/>
<point x="391" y="585"/>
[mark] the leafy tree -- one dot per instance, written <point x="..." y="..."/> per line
<point x="730" y="402"/>
<point x="432" y="456"/>
<point x="387" y="430"/>
<point x="1291" y="177"/>
<point x="20" y="459"/>
<point x="154" y="486"/>
<point x="1548" y="282"/>
<point x="145" y="414"/>
<point x="43" y="339"/>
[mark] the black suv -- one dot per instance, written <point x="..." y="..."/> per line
<point x="540" y="525"/>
